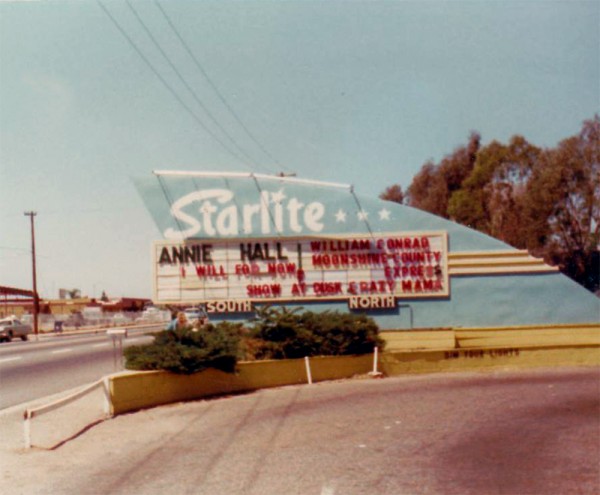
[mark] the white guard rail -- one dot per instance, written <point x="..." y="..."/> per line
<point x="29" y="414"/>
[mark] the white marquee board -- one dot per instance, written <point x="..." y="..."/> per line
<point x="396" y="265"/>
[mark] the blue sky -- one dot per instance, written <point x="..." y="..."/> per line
<point x="355" y="92"/>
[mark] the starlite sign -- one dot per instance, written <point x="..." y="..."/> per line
<point x="234" y="240"/>
<point x="217" y="206"/>
<point x="219" y="215"/>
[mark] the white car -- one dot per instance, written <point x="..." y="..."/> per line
<point x="153" y="315"/>
<point x="196" y="314"/>
<point x="11" y="328"/>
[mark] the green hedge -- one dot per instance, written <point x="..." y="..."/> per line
<point x="284" y="334"/>
<point x="188" y="350"/>
<point x="276" y="333"/>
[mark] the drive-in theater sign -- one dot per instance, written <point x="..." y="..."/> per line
<point x="232" y="241"/>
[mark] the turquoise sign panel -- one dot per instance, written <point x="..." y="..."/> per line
<point x="231" y="241"/>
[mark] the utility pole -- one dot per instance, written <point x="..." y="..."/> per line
<point x="36" y="302"/>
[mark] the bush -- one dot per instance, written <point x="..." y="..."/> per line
<point x="344" y="334"/>
<point x="188" y="351"/>
<point x="280" y="333"/>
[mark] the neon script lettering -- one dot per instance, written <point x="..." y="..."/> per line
<point x="219" y="215"/>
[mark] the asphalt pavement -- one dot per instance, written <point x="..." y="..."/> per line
<point x="29" y="370"/>
<point x="512" y="432"/>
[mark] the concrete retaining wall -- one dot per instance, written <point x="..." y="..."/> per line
<point x="498" y="337"/>
<point x="420" y="351"/>
<point x="137" y="390"/>
<point x="400" y="363"/>
<point x="419" y="339"/>
<point x="529" y="336"/>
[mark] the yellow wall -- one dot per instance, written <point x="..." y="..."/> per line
<point x="56" y="306"/>
<point x="529" y="336"/>
<point x="67" y="306"/>
<point x="419" y="339"/>
<point x="420" y="351"/>
<point x="137" y="390"/>
<point x="477" y="337"/>
<point x="399" y="363"/>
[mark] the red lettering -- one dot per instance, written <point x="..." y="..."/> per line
<point x="327" y="288"/>
<point x="247" y="269"/>
<point x="281" y="269"/>
<point x="299" y="289"/>
<point x="264" y="290"/>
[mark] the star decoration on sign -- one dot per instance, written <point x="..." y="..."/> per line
<point x="340" y="216"/>
<point x="277" y="197"/>
<point x="384" y="214"/>
<point x="362" y="215"/>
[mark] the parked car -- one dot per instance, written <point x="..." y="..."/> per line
<point x="120" y="319"/>
<point x="196" y="314"/>
<point x="153" y="315"/>
<point x="11" y="327"/>
<point x="93" y="315"/>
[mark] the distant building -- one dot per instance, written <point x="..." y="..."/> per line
<point x="17" y="302"/>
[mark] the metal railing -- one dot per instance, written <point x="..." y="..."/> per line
<point x="29" y="414"/>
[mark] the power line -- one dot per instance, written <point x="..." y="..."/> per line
<point x="188" y="87"/>
<point x="168" y="86"/>
<point x="216" y="90"/>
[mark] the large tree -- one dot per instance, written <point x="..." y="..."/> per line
<point x="546" y="201"/>
<point x="492" y="197"/>
<point x="433" y="186"/>
<point x="564" y="205"/>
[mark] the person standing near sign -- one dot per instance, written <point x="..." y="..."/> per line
<point x="202" y="318"/>
<point x="179" y="322"/>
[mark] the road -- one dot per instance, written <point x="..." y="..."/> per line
<point x="55" y="363"/>
<point x="503" y="433"/>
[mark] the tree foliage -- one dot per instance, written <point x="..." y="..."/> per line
<point x="492" y="198"/>
<point x="393" y="193"/>
<point x="433" y="186"/>
<point x="74" y="293"/>
<point x="543" y="200"/>
<point x="564" y="192"/>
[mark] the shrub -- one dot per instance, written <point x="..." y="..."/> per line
<point x="188" y="351"/>
<point x="343" y="333"/>
<point x="280" y="333"/>
<point x="277" y="333"/>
